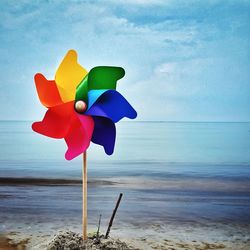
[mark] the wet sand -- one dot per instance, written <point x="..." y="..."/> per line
<point x="15" y="181"/>
<point x="7" y="244"/>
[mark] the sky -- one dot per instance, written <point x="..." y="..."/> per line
<point x="184" y="60"/>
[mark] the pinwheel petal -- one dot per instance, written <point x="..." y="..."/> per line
<point x="69" y="75"/>
<point x="104" y="134"/>
<point x="104" y="77"/>
<point x="82" y="90"/>
<point x="55" y="123"/>
<point x="93" y="95"/>
<point x="79" y="135"/>
<point x="47" y="91"/>
<point x="111" y="104"/>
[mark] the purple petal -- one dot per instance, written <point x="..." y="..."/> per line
<point x="104" y="133"/>
<point x="113" y="105"/>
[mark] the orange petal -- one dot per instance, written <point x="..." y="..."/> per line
<point x="47" y="91"/>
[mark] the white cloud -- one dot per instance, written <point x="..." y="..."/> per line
<point x="172" y="56"/>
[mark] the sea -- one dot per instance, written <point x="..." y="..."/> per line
<point x="168" y="172"/>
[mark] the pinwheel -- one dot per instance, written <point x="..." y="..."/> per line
<point x="82" y="108"/>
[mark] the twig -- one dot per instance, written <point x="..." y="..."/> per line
<point x="98" y="229"/>
<point x="113" y="215"/>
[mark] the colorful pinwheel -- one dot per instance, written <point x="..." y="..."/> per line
<point x="82" y="107"/>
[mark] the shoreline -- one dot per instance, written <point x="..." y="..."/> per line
<point x="28" y="181"/>
<point x="139" y="182"/>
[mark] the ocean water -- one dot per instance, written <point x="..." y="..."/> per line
<point x="168" y="172"/>
<point x="141" y="148"/>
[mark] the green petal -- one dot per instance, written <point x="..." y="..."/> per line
<point x="104" y="77"/>
<point x="82" y="90"/>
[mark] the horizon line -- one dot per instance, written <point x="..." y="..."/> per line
<point x="163" y="121"/>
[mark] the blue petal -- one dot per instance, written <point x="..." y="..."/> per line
<point x="104" y="133"/>
<point x="93" y="95"/>
<point x="111" y="104"/>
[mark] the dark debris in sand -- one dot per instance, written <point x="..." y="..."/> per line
<point x="72" y="241"/>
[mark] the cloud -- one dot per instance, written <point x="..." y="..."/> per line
<point x="194" y="88"/>
<point x="185" y="58"/>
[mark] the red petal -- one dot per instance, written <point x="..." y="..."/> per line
<point x="47" y="91"/>
<point x="56" y="121"/>
<point x="79" y="135"/>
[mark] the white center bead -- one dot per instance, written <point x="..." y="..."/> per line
<point x="80" y="106"/>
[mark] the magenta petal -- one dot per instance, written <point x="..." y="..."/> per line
<point x="79" y="135"/>
<point x="104" y="133"/>
<point x="111" y="104"/>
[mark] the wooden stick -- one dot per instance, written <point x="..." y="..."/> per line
<point x="84" y="197"/>
<point x="113" y="216"/>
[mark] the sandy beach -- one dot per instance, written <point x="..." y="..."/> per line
<point x="191" y="237"/>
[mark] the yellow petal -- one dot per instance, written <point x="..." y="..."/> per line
<point x="68" y="75"/>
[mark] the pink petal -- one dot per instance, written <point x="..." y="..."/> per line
<point x="79" y="135"/>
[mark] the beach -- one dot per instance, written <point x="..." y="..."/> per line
<point x="154" y="214"/>
<point x="176" y="197"/>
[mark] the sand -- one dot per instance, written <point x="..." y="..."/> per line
<point x="157" y="236"/>
<point x="7" y="244"/>
<point x="69" y="240"/>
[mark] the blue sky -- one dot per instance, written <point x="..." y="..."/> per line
<point x="184" y="60"/>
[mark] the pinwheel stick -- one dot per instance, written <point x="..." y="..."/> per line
<point x="84" y="197"/>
